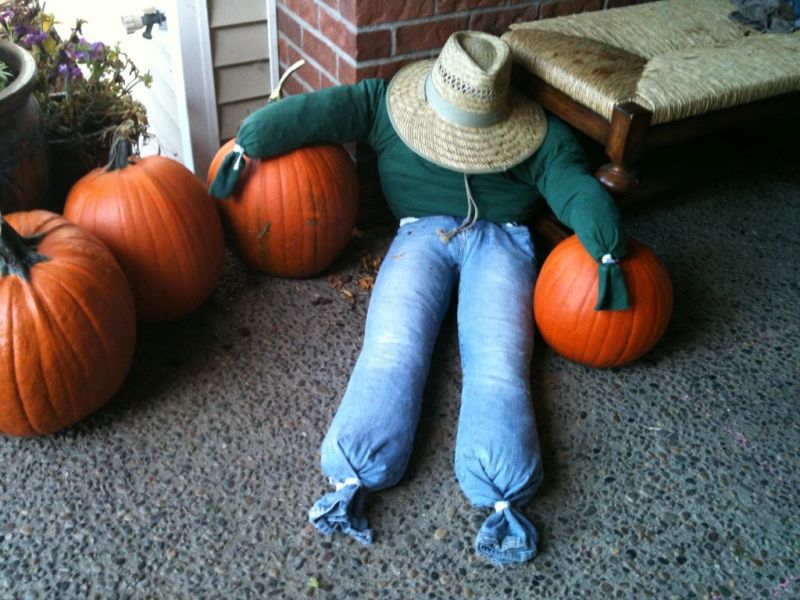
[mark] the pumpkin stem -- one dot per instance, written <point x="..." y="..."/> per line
<point x="123" y="146"/>
<point x="277" y="93"/>
<point x="121" y="152"/>
<point x="17" y="253"/>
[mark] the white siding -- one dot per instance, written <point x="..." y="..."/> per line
<point x="222" y="13"/>
<point x="240" y="51"/>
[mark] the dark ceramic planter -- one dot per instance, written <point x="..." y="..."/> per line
<point x="23" y="164"/>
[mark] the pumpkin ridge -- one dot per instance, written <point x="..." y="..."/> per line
<point x="13" y="363"/>
<point x="206" y="231"/>
<point x="646" y="271"/>
<point x="31" y="297"/>
<point x="56" y="332"/>
<point x="599" y="349"/>
<point x="76" y="266"/>
<point x="135" y="209"/>
<point x="308" y="240"/>
<point x="322" y="176"/>
<point x="598" y="317"/>
<point x="558" y="303"/>
<point x="169" y="222"/>
<point x="632" y="329"/>
<point x="635" y="295"/>
<point x="260" y="218"/>
<point x="292" y="159"/>
<point x="339" y="183"/>
<point x="325" y="173"/>
<point x="127" y="214"/>
<point x="646" y="274"/>
<point x="198" y="245"/>
<point x="587" y="302"/>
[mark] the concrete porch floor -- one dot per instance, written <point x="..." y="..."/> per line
<point x="675" y="477"/>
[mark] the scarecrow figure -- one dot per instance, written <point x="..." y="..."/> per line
<point x="464" y="160"/>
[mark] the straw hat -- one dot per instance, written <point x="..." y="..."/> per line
<point x="460" y="112"/>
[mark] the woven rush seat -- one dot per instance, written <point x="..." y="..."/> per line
<point x="656" y="63"/>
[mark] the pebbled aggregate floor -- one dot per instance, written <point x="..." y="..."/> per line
<point x="677" y="476"/>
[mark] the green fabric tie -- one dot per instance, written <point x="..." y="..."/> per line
<point x="228" y="174"/>
<point x="611" y="293"/>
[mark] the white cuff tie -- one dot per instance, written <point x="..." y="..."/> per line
<point x="239" y="150"/>
<point x="609" y="260"/>
<point x="349" y="481"/>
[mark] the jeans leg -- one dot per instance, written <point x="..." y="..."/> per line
<point x="369" y="442"/>
<point x="497" y="460"/>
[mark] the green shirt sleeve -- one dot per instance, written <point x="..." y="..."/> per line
<point x="339" y="114"/>
<point x="561" y="174"/>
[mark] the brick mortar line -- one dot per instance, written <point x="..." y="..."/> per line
<point x="394" y="25"/>
<point x="417" y="55"/>
<point x="306" y="26"/>
<point x="309" y="59"/>
<point x="339" y="17"/>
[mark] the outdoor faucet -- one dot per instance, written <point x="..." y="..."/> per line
<point x="150" y="17"/>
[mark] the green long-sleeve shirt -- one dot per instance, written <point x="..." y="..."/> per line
<point x="414" y="187"/>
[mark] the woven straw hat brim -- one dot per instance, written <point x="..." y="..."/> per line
<point x="465" y="149"/>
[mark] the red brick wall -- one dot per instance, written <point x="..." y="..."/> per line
<point x="345" y="41"/>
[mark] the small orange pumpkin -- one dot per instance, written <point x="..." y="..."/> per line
<point x="291" y="215"/>
<point x="68" y="326"/>
<point x="160" y="223"/>
<point x="564" y="300"/>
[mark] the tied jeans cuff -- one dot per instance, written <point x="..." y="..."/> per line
<point x="507" y="536"/>
<point x="343" y="510"/>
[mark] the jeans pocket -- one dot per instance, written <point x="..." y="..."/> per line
<point x="521" y="237"/>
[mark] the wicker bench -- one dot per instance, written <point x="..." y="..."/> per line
<point x="646" y="76"/>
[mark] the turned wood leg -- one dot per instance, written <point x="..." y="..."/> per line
<point x="625" y="144"/>
<point x="619" y="179"/>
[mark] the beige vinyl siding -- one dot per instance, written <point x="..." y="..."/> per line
<point x="240" y="57"/>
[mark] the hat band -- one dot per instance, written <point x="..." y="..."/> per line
<point x="456" y="115"/>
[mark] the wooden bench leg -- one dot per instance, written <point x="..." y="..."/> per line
<point x="625" y="144"/>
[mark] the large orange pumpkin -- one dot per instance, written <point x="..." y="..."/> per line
<point x="293" y="214"/>
<point x="162" y="226"/>
<point x="68" y="326"/>
<point x="565" y="296"/>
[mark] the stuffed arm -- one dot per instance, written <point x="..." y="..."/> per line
<point x="335" y="115"/>
<point x="581" y="202"/>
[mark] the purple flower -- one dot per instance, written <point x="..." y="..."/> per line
<point x="6" y="15"/>
<point x="70" y="71"/>
<point x="97" y="51"/>
<point x="34" y="37"/>
<point x="75" y="54"/>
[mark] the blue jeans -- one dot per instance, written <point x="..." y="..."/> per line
<point x="497" y="459"/>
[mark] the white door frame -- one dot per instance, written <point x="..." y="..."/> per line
<point x="272" y="25"/>
<point x="197" y="97"/>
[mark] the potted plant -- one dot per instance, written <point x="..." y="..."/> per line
<point x="84" y="90"/>
<point x="23" y="169"/>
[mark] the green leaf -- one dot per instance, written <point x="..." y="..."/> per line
<point x="5" y="75"/>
